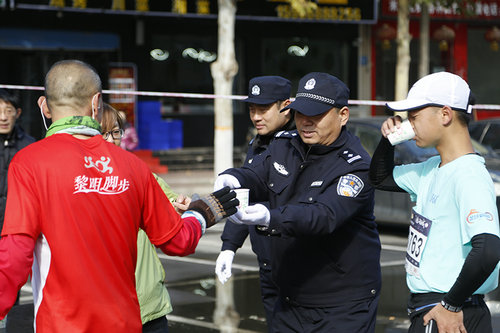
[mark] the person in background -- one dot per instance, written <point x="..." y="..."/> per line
<point x="267" y="95"/>
<point x="13" y="139"/>
<point x="74" y="208"/>
<point x="130" y="139"/>
<point x="318" y="209"/>
<point x="152" y="294"/>
<point x="453" y="244"/>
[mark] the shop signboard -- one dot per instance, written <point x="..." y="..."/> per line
<point x="123" y="76"/>
<point x="334" y="11"/>
<point x="327" y="11"/>
<point x="475" y="10"/>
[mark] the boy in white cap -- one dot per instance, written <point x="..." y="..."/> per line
<point x="453" y="245"/>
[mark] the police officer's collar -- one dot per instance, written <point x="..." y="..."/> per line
<point x="318" y="149"/>
<point x="264" y="140"/>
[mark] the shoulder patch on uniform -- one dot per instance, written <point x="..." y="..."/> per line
<point x="350" y="156"/>
<point x="285" y="134"/>
<point x="349" y="185"/>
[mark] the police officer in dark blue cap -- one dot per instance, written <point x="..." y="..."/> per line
<point x="267" y="95"/>
<point x="319" y="212"/>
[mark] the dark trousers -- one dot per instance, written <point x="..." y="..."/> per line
<point x="359" y="317"/>
<point x="269" y="293"/>
<point x="158" y="325"/>
<point x="20" y="319"/>
<point x="477" y="317"/>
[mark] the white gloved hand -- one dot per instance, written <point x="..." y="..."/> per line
<point x="223" y="265"/>
<point x="226" y="180"/>
<point x="257" y="214"/>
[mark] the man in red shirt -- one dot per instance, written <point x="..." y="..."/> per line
<point x="74" y="207"/>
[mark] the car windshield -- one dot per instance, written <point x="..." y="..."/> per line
<point x="481" y="149"/>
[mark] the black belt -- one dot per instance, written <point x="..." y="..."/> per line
<point x="475" y="299"/>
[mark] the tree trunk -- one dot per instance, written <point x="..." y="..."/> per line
<point x="403" y="53"/>
<point x="223" y="72"/>
<point x="423" y="65"/>
<point x="225" y="315"/>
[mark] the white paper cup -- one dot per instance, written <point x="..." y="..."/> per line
<point x="403" y="133"/>
<point x="242" y="196"/>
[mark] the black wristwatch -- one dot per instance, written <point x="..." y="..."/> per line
<point x="451" y="307"/>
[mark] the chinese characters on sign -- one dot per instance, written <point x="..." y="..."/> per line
<point x="325" y="10"/>
<point x="484" y="9"/>
<point x="329" y="13"/>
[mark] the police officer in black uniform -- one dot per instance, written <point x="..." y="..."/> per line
<point x="319" y="210"/>
<point x="267" y="95"/>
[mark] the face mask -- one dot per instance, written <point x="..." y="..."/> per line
<point x="93" y="98"/>
<point x="41" y="112"/>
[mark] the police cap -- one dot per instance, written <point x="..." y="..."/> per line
<point x="268" y="89"/>
<point x="318" y="93"/>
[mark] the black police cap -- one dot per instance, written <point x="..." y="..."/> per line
<point x="318" y="93"/>
<point x="268" y="89"/>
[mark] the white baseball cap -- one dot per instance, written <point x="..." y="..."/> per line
<point x="437" y="89"/>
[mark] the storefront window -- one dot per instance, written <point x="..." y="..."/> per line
<point x="484" y="67"/>
<point x="294" y="57"/>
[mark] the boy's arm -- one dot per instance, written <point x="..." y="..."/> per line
<point x="382" y="166"/>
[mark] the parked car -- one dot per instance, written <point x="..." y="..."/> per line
<point x="393" y="208"/>
<point x="487" y="132"/>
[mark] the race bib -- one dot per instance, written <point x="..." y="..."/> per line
<point x="417" y="238"/>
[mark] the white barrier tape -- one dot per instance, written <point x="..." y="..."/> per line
<point x="212" y="96"/>
<point x="13" y="86"/>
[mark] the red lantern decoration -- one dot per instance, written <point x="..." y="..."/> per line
<point x="386" y="33"/>
<point x="444" y="35"/>
<point x="493" y="36"/>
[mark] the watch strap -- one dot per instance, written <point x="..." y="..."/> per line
<point x="450" y="307"/>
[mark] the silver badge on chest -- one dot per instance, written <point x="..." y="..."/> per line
<point x="280" y="168"/>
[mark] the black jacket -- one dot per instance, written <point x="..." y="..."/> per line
<point x="327" y="251"/>
<point x="11" y="144"/>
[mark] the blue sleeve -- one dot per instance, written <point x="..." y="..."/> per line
<point x="233" y="236"/>
<point x="323" y="212"/>
<point x="253" y="176"/>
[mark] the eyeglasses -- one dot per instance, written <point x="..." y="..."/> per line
<point x="116" y="134"/>
<point x="9" y="112"/>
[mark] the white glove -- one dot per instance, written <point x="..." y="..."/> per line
<point x="223" y="265"/>
<point x="226" y="180"/>
<point x="257" y="214"/>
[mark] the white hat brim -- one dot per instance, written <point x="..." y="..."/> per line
<point x="409" y="104"/>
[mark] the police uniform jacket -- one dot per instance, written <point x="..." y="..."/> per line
<point x="234" y="235"/>
<point x="326" y="250"/>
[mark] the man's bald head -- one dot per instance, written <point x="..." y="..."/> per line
<point x="70" y="86"/>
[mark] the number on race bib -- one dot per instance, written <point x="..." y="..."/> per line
<point x="417" y="238"/>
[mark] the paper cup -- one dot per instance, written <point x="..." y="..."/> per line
<point x="242" y="196"/>
<point x="403" y="133"/>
